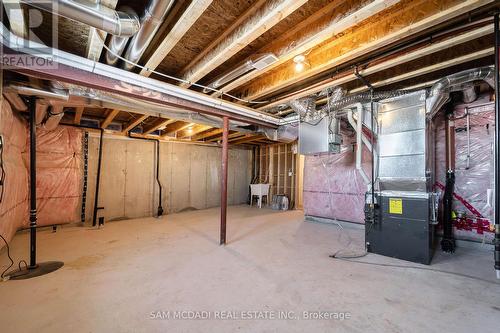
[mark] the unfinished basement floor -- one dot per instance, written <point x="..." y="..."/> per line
<point x="115" y="278"/>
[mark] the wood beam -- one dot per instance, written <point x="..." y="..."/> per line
<point x="95" y="42"/>
<point x="193" y="132"/>
<point x="436" y="46"/>
<point x="254" y="26"/>
<point x="78" y="115"/>
<point x="176" y="127"/>
<point x="402" y="21"/>
<point x="157" y="124"/>
<point x="134" y="123"/>
<point x="246" y="139"/>
<point x="238" y="136"/>
<point x="429" y="69"/>
<point x="231" y="135"/>
<point x="109" y="118"/>
<point x="206" y="134"/>
<point x="314" y="30"/>
<point x="225" y="34"/>
<point x="185" y="22"/>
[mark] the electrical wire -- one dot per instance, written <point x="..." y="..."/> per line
<point x="416" y="267"/>
<point x="176" y="78"/>
<point x="12" y="262"/>
<point x="8" y="255"/>
<point x="337" y="254"/>
<point x="55" y="114"/>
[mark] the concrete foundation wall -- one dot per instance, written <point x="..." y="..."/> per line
<point x="190" y="176"/>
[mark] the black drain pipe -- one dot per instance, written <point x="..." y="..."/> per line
<point x="157" y="149"/>
<point x="497" y="145"/>
<point x="448" y="241"/>
<point x="32" y="122"/>
<point x="96" y="197"/>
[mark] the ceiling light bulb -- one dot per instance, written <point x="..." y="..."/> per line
<point x="299" y="59"/>
<point x="299" y="67"/>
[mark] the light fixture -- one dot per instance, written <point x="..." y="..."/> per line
<point x="299" y="58"/>
<point x="299" y="67"/>
<point x="189" y="129"/>
<point x="300" y="62"/>
<point x="261" y="62"/>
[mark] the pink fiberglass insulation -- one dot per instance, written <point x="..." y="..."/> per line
<point x="59" y="175"/>
<point x="333" y="188"/>
<point x="14" y="192"/>
<point x="472" y="184"/>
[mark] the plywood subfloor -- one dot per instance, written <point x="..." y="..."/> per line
<point x="115" y="277"/>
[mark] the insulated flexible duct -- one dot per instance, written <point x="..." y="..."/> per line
<point x="364" y="97"/>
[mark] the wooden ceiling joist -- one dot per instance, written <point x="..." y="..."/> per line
<point x="402" y="21"/>
<point x="175" y="127"/>
<point x="429" y="69"/>
<point x="157" y="125"/>
<point x="134" y="123"/>
<point x="230" y="136"/>
<point x="225" y="34"/>
<point x="95" y="42"/>
<point x="407" y="57"/>
<point x="206" y="134"/>
<point x="188" y="18"/>
<point x="316" y="29"/>
<point x="78" y="115"/>
<point x="109" y="118"/>
<point x="193" y="132"/>
<point x="247" y="139"/>
<point x="252" y="27"/>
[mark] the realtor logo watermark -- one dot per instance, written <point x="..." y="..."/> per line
<point x="249" y="315"/>
<point x="33" y="38"/>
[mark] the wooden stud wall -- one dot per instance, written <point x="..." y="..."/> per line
<point x="276" y="165"/>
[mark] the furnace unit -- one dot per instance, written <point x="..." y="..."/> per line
<point x="401" y="221"/>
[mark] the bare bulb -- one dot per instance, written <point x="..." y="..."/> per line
<point x="299" y="67"/>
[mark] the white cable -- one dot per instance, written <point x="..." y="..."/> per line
<point x="176" y="78"/>
<point x="342" y="230"/>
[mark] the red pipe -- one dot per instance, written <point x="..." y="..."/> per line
<point x="223" y="199"/>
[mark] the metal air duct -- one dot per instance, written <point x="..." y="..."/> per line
<point x="150" y="22"/>
<point x="440" y="91"/>
<point x="117" y="44"/>
<point x="93" y="14"/>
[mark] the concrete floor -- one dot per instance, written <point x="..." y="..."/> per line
<point x="116" y="277"/>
